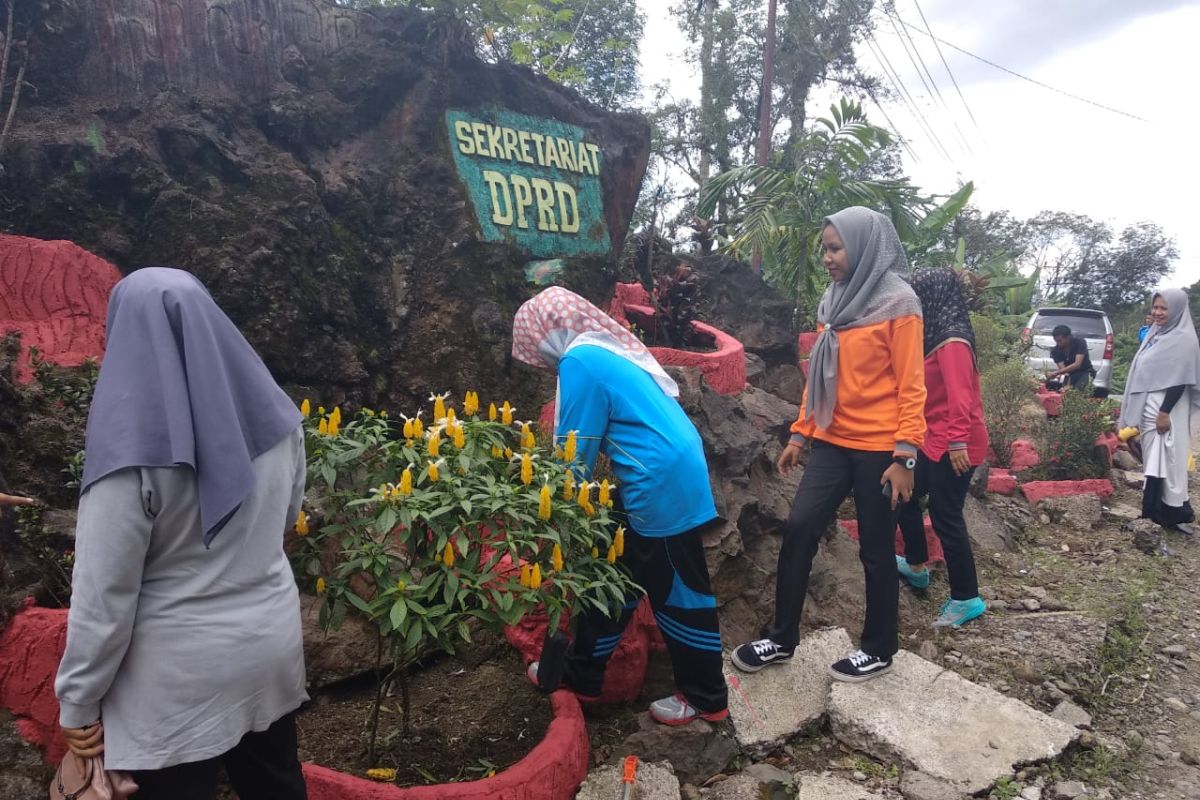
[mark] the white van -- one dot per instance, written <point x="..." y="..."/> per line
<point x="1090" y="323"/>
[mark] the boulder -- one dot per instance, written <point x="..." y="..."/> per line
<point x="1147" y="536"/>
<point x="735" y="298"/>
<point x="770" y="707"/>
<point x="1080" y="512"/>
<point x="1068" y="712"/>
<point x="346" y="182"/>
<point x="335" y="655"/>
<point x="831" y="787"/>
<point x="979" y="481"/>
<point x="654" y="780"/>
<point x="932" y="720"/>
<point x="915" y="785"/>
<point x="697" y="750"/>
<point x="996" y="523"/>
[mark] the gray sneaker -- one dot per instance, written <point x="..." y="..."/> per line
<point x="676" y="710"/>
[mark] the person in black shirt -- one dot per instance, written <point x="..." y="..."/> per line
<point x="1070" y="353"/>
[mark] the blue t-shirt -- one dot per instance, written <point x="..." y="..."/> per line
<point x="616" y="408"/>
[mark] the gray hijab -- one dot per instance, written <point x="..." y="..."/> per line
<point x="1170" y="356"/>
<point x="874" y="292"/>
<point x="179" y="385"/>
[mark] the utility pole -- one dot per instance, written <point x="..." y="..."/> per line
<point x="763" y="154"/>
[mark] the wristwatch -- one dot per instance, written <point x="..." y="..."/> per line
<point x="908" y="462"/>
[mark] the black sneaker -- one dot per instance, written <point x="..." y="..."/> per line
<point x="858" y="667"/>
<point x="753" y="656"/>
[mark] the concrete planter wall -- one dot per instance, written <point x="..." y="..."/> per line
<point x="32" y="645"/>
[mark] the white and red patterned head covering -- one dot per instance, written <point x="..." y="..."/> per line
<point x="557" y="320"/>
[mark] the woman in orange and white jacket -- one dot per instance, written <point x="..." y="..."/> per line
<point x="862" y="416"/>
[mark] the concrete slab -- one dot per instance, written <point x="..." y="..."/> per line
<point x="932" y="720"/>
<point x="773" y="705"/>
<point x="655" y="781"/>
<point x="829" y="787"/>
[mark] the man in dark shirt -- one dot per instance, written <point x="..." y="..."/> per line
<point x="1070" y="353"/>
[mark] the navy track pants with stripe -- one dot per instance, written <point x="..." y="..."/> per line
<point x="674" y="574"/>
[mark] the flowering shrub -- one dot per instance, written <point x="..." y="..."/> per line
<point x="427" y="528"/>
<point x="1068" y="443"/>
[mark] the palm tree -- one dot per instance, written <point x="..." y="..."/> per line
<point x="780" y="212"/>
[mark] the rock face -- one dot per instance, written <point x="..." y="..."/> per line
<point x="365" y="198"/>
<point x="771" y="706"/>
<point x="932" y="720"/>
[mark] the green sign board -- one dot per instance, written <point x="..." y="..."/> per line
<point x="534" y="182"/>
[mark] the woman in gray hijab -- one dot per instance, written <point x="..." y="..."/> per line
<point x="864" y="415"/>
<point x="183" y="640"/>
<point x="1162" y="395"/>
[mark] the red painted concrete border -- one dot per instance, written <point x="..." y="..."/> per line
<point x="724" y="369"/>
<point x="1051" y="402"/>
<point x="30" y="649"/>
<point x="932" y="543"/>
<point x="32" y="645"/>
<point x="805" y="343"/>
<point x="1037" y="491"/>
<point x="1001" y="481"/>
<point x="626" y="671"/>
<point x="55" y="294"/>
<point x="553" y="770"/>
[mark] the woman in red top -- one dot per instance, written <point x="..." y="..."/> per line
<point x="955" y="443"/>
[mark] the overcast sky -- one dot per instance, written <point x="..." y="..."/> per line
<point x="1030" y="148"/>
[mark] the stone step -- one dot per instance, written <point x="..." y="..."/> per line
<point x="771" y="706"/>
<point x="930" y="719"/>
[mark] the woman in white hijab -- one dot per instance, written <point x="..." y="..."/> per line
<point x="1162" y="395"/>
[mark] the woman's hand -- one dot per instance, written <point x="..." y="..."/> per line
<point x="85" y="742"/>
<point x="960" y="462"/>
<point x="15" y="500"/>
<point x="1163" y="422"/>
<point x="901" y="480"/>
<point x="790" y="457"/>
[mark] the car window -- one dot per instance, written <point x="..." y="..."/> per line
<point x="1087" y="325"/>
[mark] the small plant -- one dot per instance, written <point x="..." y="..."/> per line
<point x="1068" y="444"/>
<point x="74" y="470"/>
<point x="55" y="563"/>
<point x="1006" y="789"/>
<point x="1007" y="388"/>
<point x="675" y="296"/>
<point x="70" y="388"/>
<point x="429" y="531"/>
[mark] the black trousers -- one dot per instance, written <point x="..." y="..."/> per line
<point x="947" y="493"/>
<point x="674" y="574"/>
<point x="262" y="766"/>
<point x="830" y="475"/>
<point x="1154" y="509"/>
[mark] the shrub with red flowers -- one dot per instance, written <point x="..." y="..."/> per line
<point x="1068" y="443"/>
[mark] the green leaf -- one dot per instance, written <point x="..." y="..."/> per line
<point x="399" y="613"/>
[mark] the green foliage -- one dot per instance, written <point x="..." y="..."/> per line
<point x="589" y="45"/>
<point x="70" y="389"/>
<point x="54" y="563"/>
<point x="1068" y="444"/>
<point x="1125" y="346"/>
<point x="780" y="212"/>
<point x="1123" y="275"/>
<point x="996" y="341"/>
<point x="427" y="535"/>
<point x="1007" y="388"/>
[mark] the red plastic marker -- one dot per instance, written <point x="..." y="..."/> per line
<point x="631" y="763"/>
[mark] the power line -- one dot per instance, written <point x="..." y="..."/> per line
<point x="905" y="96"/>
<point x="937" y="46"/>
<point x="914" y="56"/>
<point x="1034" y="81"/>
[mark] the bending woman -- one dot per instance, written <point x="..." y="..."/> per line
<point x="863" y="413"/>
<point x="183" y="639"/>
<point x="956" y="442"/>
<point x="620" y="402"/>
<point x="1162" y="394"/>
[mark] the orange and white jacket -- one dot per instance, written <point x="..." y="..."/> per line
<point x="880" y="390"/>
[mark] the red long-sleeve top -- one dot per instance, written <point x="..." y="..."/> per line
<point x="953" y="404"/>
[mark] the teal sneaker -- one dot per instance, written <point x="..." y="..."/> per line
<point x="956" y="613"/>
<point x="917" y="580"/>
